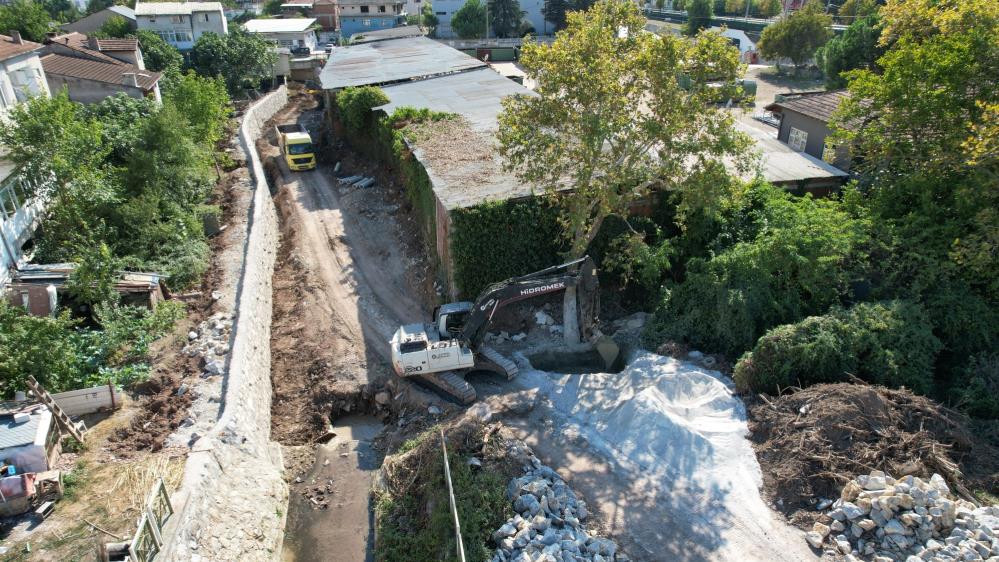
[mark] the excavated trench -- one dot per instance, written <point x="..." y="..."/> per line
<point x="569" y="362"/>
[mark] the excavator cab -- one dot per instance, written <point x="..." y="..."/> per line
<point x="450" y="318"/>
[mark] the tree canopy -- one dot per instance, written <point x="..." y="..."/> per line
<point x="115" y="26"/>
<point x="505" y="17"/>
<point x="159" y="55"/>
<point x="469" y="22"/>
<point x="241" y="58"/>
<point x="699" y="13"/>
<point x="796" y="36"/>
<point x="428" y="19"/>
<point x="611" y="118"/>
<point x="857" y="47"/>
<point x="27" y="17"/>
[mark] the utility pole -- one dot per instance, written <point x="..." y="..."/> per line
<point x="487" y="19"/>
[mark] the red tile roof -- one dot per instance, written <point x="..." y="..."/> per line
<point x="9" y="49"/>
<point x="80" y="43"/>
<point x="86" y="69"/>
<point x="820" y="105"/>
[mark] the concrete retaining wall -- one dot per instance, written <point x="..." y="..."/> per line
<point x="232" y="502"/>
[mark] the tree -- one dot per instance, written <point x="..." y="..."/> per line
<point x="611" y="120"/>
<point x="115" y="26"/>
<point x="272" y="7"/>
<point x="94" y="6"/>
<point x="857" y="47"/>
<point x="205" y="103"/>
<point x="61" y="10"/>
<point x="93" y="280"/>
<point x="699" y="13"/>
<point x="469" y="22"/>
<point x="429" y="19"/>
<point x="555" y="12"/>
<point x="27" y="17"/>
<point x="770" y="8"/>
<point x="925" y="124"/>
<point x="159" y="55"/>
<point x="242" y="59"/>
<point x="852" y="10"/>
<point x="797" y="36"/>
<point x="505" y="17"/>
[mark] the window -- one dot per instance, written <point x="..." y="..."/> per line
<point x="206" y="16"/>
<point x="364" y="9"/>
<point x="366" y="22"/>
<point x="26" y="300"/>
<point x="286" y="42"/>
<point x="176" y="19"/>
<point x="441" y="13"/>
<point x="412" y="346"/>
<point x="381" y="9"/>
<point x="8" y="200"/>
<point x="797" y="139"/>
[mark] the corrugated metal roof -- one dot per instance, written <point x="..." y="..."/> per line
<point x="9" y="49"/>
<point x="817" y="105"/>
<point x="123" y="11"/>
<point x="84" y="69"/>
<point x="462" y="182"/>
<point x="383" y="34"/>
<point x="117" y="44"/>
<point x="25" y="433"/>
<point x="781" y="164"/>
<point x="395" y="60"/>
<point x="175" y="8"/>
<point x="283" y="25"/>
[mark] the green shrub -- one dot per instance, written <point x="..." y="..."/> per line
<point x="63" y="356"/>
<point x="889" y="343"/>
<point x="800" y="259"/>
<point x="355" y="104"/>
<point x="978" y="395"/>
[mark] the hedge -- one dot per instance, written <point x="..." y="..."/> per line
<point x="888" y="343"/>
<point x="496" y="241"/>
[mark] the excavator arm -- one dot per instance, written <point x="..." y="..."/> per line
<point x="579" y="273"/>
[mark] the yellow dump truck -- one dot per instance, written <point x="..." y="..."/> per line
<point x="296" y="146"/>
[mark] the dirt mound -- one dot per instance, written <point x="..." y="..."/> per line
<point x="160" y="414"/>
<point x="811" y="442"/>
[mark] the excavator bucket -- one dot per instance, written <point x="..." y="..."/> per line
<point x="608" y="350"/>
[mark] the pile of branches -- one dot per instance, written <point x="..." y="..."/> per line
<point x="811" y="442"/>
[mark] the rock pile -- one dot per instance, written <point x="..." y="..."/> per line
<point x="910" y="519"/>
<point x="210" y="342"/>
<point x="548" y="526"/>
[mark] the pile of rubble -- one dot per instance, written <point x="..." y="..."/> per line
<point x="211" y="342"/>
<point x="908" y="519"/>
<point x="548" y="526"/>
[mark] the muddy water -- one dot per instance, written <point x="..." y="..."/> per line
<point x="344" y="531"/>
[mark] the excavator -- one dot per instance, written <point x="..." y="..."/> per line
<point x="441" y="352"/>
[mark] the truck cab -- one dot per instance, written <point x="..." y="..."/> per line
<point x="296" y="147"/>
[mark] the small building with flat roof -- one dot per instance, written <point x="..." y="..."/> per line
<point x="29" y="437"/>
<point x="289" y="33"/>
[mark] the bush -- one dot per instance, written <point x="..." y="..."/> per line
<point x="979" y="393"/>
<point x="889" y="343"/>
<point x="799" y="259"/>
<point x="355" y="104"/>
<point x="64" y="356"/>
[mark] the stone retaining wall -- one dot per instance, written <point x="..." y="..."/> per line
<point x="232" y="502"/>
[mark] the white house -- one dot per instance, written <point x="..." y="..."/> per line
<point x="181" y="23"/>
<point x="21" y="77"/>
<point x="532" y="9"/>
<point x="287" y="32"/>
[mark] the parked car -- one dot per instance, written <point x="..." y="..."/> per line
<point x="329" y="48"/>
<point x="301" y="51"/>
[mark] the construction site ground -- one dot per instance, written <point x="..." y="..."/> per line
<point x="351" y="269"/>
<point x="126" y="451"/>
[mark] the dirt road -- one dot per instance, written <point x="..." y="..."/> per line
<point x="345" y="276"/>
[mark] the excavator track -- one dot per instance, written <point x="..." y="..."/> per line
<point x="492" y="360"/>
<point x="452" y="384"/>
